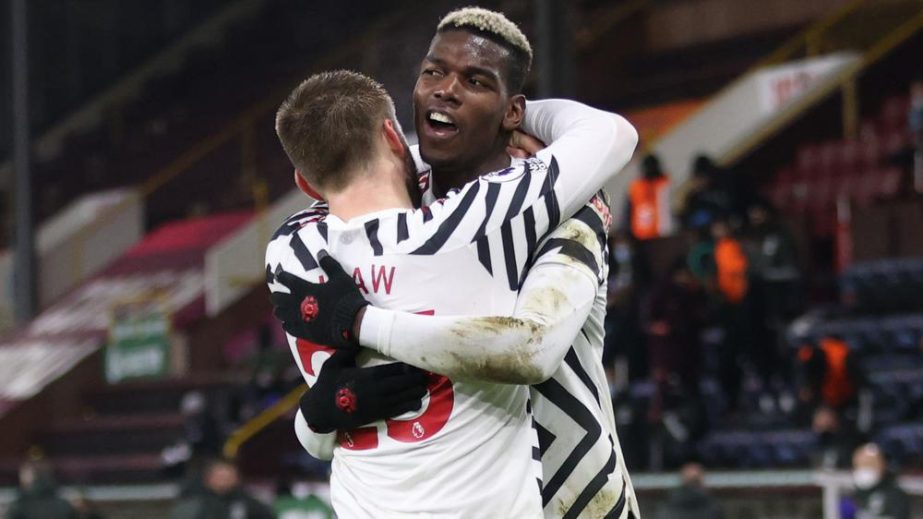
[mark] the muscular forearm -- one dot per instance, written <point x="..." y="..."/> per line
<point x="525" y="348"/>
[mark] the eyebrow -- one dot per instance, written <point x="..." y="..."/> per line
<point x="470" y="69"/>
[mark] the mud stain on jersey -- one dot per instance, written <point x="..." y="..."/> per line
<point x="601" y="504"/>
<point x="516" y="365"/>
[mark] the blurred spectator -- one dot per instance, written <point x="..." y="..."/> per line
<point x="267" y="381"/>
<point x="647" y="211"/>
<point x="915" y="120"/>
<point x="704" y="198"/>
<point x="623" y="341"/>
<point x="774" y="277"/>
<point x="201" y="438"/>
<point x="221" y="497"/>
<point x="878" y="495"/>
<point x="38" y="495"/>
<point x="828" y="374"/>
<point x="835" y="442"/>
<point x="690" y="500"/>
<point x="673" y="316"/>
<point x="719" y="261"/>
<point x="298" y="502"/>
<point x="84" y="507"/>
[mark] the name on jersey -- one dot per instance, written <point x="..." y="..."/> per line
<point x="379" y="278"/>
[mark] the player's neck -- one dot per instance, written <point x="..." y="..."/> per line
<point x="446" y="177"/>
<point x="376" y="188"/>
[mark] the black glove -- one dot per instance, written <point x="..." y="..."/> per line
<point x="346" y="397"/>
<point x="322" y="313"/>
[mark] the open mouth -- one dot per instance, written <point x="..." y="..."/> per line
<point x="440" y="124"/>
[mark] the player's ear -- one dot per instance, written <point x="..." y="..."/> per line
<point x="305" y="187"/>
<point x="515" y="111"/>
<point x="393" y="137"/>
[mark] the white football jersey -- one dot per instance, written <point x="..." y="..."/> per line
<point x="472" y="450"/>
<point x="584" y="472"/>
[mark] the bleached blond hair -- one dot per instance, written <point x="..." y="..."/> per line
<point x="497" y="27"/>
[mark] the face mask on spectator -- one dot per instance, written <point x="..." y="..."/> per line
<point x="866" y="478"/>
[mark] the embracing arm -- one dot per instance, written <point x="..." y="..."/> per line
<point x="317" y="444"/>
<point x="525" y="348"/>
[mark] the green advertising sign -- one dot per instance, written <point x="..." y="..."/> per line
<point x="139" y="342"/>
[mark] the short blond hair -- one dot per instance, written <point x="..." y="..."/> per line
<point x="498" y="28"/>
<point x="329" y="123"/>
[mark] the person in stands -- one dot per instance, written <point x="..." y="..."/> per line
<point x="38" y="496"/>
<point x="915" y="121"/>
<point x="647" y="211"/>
<point x="690" y="500"/>
<point x="878" y="495"/>
<point x="221" y="497"/>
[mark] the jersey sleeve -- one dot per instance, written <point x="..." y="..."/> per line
<point x="526" y="348"/>
<point x="287" y="252"/>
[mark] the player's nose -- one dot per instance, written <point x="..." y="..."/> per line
<point x="447" y="89"/>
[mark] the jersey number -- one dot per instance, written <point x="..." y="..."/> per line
<point x="423" y="424"/>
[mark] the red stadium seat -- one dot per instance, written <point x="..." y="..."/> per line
<point x="849" y="154"/>
<point x="829" y="152"/>
<point x="894" y="113"/>
<point x="870" y="151"/>
<point x="895" y="141"/>
<point x="889" y="182"/>
<point x="808" y="159"/>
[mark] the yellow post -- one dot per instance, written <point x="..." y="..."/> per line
<point x="850" y="109"/>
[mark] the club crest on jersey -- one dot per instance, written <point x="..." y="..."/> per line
<point x="506" y="174"/>
<point x="417" y="430"/>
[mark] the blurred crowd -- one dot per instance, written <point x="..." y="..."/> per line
<point x="712" y="303"/>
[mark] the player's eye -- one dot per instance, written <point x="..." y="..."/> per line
<point x="476" y="82"/>
<point x="432" y="72"/>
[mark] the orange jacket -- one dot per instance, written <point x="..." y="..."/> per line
<point x="837" y="387"/>
<point x="650" y="208"/>
<point x="731" y="264"/>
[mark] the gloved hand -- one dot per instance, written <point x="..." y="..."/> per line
<point x="322" y="313"/>
<point x="346" y="397"/>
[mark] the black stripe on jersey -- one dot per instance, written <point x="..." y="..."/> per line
<point x="402" y="233"/>
<point x="545" y="438"/>
<point x="490" y="201"/>
<point x="269" y="277"/>
<point x="371" y="232"/>
<point x="287" y="228"/>
<point x="551" y="201"/>
<point x="528" y="221"/>
<point x="573" y="249"/>
<point x="322" y="229"/>
<point x="519" y="196"/>
<point x="427" y="213"/>
<point x="484" y="254"/>
<point x="574" y="362"/>
<point x="593" y="487"/>
<point x="536" y="453"/>
<point x="509" y="255"/>
<point x="301" y="252"/>
<point x="590" y="217"/>
<point x="616" y="511"/>
<point x="447" y="227"/>
<point x="555" y="393"/>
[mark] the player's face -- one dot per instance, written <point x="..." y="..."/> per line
<point x="461" y="101"/>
